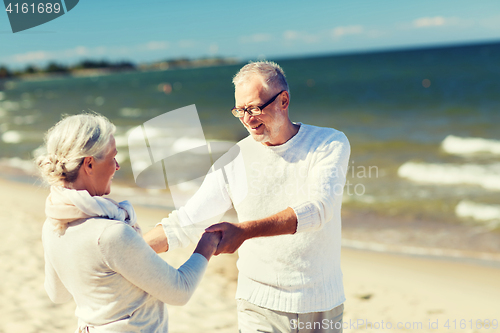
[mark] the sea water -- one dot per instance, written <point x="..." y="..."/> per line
<point x="423" y="124"/>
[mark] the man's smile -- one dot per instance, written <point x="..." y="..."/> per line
<point x="255" y="127"/>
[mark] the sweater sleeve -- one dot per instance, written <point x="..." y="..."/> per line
<point x="126" y="253"/>
<point x="206" y="207"/>
<point x="327" y="179"/>
<point x="53" y="285"/>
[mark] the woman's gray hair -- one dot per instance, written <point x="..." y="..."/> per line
<point x="69" y="141"/>
<point x="271" y="73"/>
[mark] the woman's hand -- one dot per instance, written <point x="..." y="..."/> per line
<point x="208" y="244"/>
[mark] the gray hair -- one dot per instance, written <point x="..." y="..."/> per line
<point x="69" y="141"/>
<point x="272" y="75"/>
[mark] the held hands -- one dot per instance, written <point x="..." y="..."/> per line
<point x="208" y="244"/>
<point x="233" y="235"/>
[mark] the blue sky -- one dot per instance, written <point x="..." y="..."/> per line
<point x="154" y="30"/>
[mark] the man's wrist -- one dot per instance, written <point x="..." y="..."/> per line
<point x="248" y="229"/>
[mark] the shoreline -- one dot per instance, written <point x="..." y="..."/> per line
<point x="366" y="231"/>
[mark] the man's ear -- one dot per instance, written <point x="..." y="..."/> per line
<point x="88" y="164"/>
<point x="285" y="100"/>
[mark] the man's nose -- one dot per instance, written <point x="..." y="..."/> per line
<point x="247" y="117"/>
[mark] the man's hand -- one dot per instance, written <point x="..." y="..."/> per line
<point x="233" y="235"/>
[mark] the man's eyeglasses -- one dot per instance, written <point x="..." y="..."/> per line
<point x="253" y="110"/>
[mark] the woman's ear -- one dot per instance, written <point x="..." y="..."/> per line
<point x="88" y="163"/>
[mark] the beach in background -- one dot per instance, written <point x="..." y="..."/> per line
<point x="415" y="294"/>
<point x="424" y="180"/>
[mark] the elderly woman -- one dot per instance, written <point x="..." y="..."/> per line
<point x="94" y="251"/>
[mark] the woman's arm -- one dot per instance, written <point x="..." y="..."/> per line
<point x="208" y="244"/>
<point x="53" y="286"/>
<point x="126" y="253"/>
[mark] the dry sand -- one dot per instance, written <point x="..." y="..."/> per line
<point x="399" y="290"/>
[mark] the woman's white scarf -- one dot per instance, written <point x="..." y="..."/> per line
<point x="66" y="205"/>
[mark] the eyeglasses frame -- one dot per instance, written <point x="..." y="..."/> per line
<point x="262" y="107"/>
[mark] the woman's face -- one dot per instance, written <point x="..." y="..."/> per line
<point x="104" y="170"/>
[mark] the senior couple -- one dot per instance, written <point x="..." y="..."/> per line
<point x="288" y="235"/>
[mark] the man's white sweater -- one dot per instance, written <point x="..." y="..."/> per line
<point x="297" y="273"/>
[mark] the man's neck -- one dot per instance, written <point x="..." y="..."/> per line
<point x="289" y="131"/>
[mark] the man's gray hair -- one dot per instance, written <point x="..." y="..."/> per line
<point x="69" y="141"/>
<point x="272" y="74"/>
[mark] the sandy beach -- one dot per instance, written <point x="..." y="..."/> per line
<point x="393" y="293"/>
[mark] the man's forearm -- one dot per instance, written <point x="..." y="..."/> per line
<point x="282" y="223"/>
<point x="157" y="239"/>
<point x="234" y="234"/>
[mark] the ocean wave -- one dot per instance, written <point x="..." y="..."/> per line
<point x="464" y="146"/>
<point x="419" y="251"/>
<point x="14" y="137"/>
<point x="479" y="212"/>
<point x="130" y="112"/>
<point x="24" y="120"/>
<point x="17" y="163"/>
<point x="9" y="105"/>
<point x="486" y="176"/>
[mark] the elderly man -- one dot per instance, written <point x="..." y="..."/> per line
<point x="286" y="186"/>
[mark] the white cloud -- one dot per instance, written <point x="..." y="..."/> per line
<point x="425" y="22"/>
<point x="347" y="30"/>
<point x="440" y="21"/>
<point x="34" y="56"/>
<point x="186" y="43"/>
<point x="213" y="48"/>
<point x="83" y="51"/>
<point x="255" y="38"/>
<point x="77" y="51"/>
<point x="291" y="35"/>
<point x="435" y="22"/>
<point x="100" y="50"/>
<point x="492" y="23"/>
<point x="41" y="56"/>
<point x="156" y="45"/>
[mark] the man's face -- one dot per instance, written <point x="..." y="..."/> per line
<point x="264" y="128"/>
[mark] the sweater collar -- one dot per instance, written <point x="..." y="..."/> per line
<point x="290" y="143"/>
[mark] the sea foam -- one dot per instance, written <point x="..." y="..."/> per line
<point x="478" y="211"/>
<point x="486" y="176"/>
<point x="12" y="137"/>
<point x="463" y="146"/>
